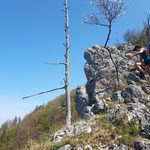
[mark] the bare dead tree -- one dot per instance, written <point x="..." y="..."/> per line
<point x="105" y="12"/>
<point x="66" y="64"/>
<point x="67" y="83"/>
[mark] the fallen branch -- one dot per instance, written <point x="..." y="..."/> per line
<point x="43" y="92"/>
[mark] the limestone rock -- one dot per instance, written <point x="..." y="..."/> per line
<point x="82" y="100"/>
<point x="78" y="148"/>
<point x="123" y="147"/>
<point x="146" y="88"/>
<point x="142" y="145"/>
<point x="135" y="111"/>
<point x="145" y="131"/>
<point x="116" y="147"/>
<point x="72" y="130"/>
<point x="133" y="77"/>
<point x="139" y="112"/>
<point x="133" y="94"/>
<point x="100" y="106"/>
<point x="66" y="147"/>
<point x="117" y="97"/>
<point x="116" y="114"/>
<point x="88" y="147"/>
<point x="101" y="82"/>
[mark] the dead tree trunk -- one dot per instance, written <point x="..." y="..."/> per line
<point x="67" y="83"/>
<point x="67" y="80"/>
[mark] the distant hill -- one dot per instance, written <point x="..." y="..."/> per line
<point x="43" y="121"/>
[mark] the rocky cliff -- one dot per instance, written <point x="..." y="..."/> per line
<point x="101" y="87"/>
<point x="127" y="103"/>
<point x="116" y="118"/>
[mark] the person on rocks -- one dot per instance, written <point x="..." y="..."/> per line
<point x="143" y="52"/>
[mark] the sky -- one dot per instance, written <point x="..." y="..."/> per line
<point x="32" y="32"/>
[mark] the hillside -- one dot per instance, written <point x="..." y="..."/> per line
<point x="38" y="125"/>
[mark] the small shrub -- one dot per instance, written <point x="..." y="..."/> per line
<point x="115" y="56"/>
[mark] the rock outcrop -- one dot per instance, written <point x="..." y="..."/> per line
<point x="71" y="130"/>
<point x="101" y="81"/>
<point x="132" y="97"/>
<point x="127" y="104"/>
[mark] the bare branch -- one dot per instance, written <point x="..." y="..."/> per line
<point x="63" y="10"/>
<point x="43" y="92"/>
<point x="54" y="63"/>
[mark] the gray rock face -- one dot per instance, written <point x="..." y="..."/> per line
<point x="133" y="77"/>
<point x="117" y="97"/>
<point x="133" y="94"/>
<point x="88" y="147"/>
<point x="72" y="130"/>
<point x="135" y="111"/>
<point x="117" y="114"/>
<point x="146" y="88"/>
<point x="142" y="145"/>
<point x="116" y="147"/>
<point x="88" y="106"/>
<point x="123" y="147"/>
<point x="78" y="148"/>
<point x="145" y="131"/>
<point x="66" y="147"/>
<point x="101" y="82"/>
<point x="82" y="100"/>
<point x="139" y="112"/>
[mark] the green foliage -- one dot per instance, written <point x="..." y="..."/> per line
<point x="44" y="119"/>
<point x="55" y="146"/>
<point x="128" y="131"/>
<point x="82" y="138"/>
<point x="140" y="37"/>
<point x="7" y="139"/>
<point x="115" y="56"/>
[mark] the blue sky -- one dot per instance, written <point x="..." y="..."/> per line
<point x="32" y="31"/>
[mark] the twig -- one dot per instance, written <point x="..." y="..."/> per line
<point x="54" y="63"/>
<point x="43" y="92"/>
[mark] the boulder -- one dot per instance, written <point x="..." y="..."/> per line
<point x="82" y="100"/>
<point x="71" y="130"/>
<point x="138" y="112"/>
<point x="116" y="147"/>
<point x="142" y="145"/>
<point x="101" y="82"/>
<point x="146" y="88"/>
<point x="117" y="114"/>
<point x="79" y="148"/>
<point x="117" y="97"/>
<point x="134" y="112"/>
<point x="133" y="94"/>
<point x="88" y="147"/>
<point x="145" y="131"/>
<point x="65" y="147"/>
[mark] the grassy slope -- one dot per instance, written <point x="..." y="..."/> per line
<point x="104" y="133"/>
